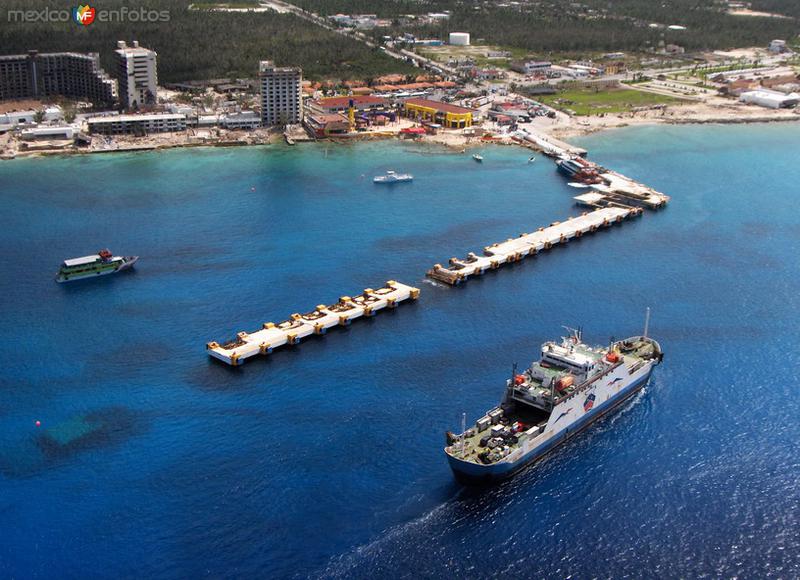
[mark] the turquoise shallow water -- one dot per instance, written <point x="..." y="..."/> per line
<point x="326" y="460"/>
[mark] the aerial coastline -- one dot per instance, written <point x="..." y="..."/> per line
<point x="565" y="127"/>
<point x="305" y="322"/>
<point x="454" y="100"/>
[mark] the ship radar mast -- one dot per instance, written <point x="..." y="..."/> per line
<point x="576" y="334"/>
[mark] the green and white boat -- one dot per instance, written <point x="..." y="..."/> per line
<point x="99" y="264"/>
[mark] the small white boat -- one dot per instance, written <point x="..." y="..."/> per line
<point x="392" y="177"/>
<point x="532" y="159"/>
<point x="477" y="158"/>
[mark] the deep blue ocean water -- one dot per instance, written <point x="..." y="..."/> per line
<point x="326" y="459"/>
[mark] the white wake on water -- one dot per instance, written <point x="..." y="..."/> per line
<point x="352" y="561"/>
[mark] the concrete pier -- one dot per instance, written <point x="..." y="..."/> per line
<point x="515" y="249"/>
<point x="299" y="326"/>
<point x="616" y="189"/>
<point x="547" y="144"/>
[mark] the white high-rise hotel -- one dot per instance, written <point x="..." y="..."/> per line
<point x="136" y="72"/>
<point x="280" y="94"/>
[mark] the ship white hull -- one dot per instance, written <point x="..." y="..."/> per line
<point x="390" y="181"/>
<point x="567" y="419"/>
<point x="125" y="265"/>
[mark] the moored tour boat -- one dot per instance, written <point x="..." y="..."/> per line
<point x="99" y="264"/>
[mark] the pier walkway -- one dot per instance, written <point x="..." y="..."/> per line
<point x="298" y="326"/>
<point x="515" y="249"/>
<point x="547" y="144"/>
<point x="614" y="188"/>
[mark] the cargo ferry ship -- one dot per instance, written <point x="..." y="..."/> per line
<point x="99" y="264"/>
<point x="571" y="386"/>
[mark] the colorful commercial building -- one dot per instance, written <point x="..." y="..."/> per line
<point x="445" y="114"/>
<point x="323" y="125"/>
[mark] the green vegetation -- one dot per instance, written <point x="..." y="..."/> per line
<point x="200" y="44"/>
<point x="590" y="101"/>
<point x="785" y="7"/>
<point x="704" y="72"/>
<point x="590" y="25"/>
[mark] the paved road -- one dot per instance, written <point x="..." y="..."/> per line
<point x="399" y="54"/>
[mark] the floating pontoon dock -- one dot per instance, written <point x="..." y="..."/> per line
<point x="615" y="188"/>
<point x="624" y="190"/>
<point x="515" y="249"/>
<point x="318" y="321"/>
<point x="604" y="196"/>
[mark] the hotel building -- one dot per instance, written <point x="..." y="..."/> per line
<point x="137" y="124"/>
<point x="280" y="94"/>
<point x="137" y="75"/>
<point x="69" y="74"/>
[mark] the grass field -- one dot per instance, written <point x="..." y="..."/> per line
<point x="593" y="102"/>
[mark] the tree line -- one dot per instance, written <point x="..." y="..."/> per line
<point x="591" y="25"/>
<point x="200" y="44"/>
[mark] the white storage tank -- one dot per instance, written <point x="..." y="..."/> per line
<point x="459" y="38"/>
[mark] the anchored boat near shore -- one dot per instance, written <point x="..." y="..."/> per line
<point x="570" y="387"/>
<point x="392" y="177"/>
<point x="99" y="264"/>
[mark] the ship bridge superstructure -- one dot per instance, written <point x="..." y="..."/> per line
<point x="561" y="369"/>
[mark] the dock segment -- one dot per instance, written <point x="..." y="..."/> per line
<point x="515" y="249"/>
<point x="619" y="190"/>
<point x="299" y="326"/>
<point x="613" y="188"/>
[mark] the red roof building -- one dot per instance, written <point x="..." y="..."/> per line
<point x="361" y="103"/>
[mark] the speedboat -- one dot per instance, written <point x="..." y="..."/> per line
<point x="477" y="158"/>
<point x="392" y="177"/>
